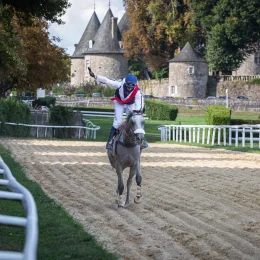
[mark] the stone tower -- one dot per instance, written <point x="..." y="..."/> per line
<point x="77" y="59"/>
<point x="188" y="74"/>
<point x="250" y="67"/>
<point x="100" y="48"/>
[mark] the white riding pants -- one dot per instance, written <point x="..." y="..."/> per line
<point x="119" y="111"/>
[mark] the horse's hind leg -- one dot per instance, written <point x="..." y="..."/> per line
<point x="129" y="184"/>
<point x="138" y="199"/>
<point x="120" y="188"/>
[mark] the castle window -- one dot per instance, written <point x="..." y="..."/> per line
<point x="173" y="89"/>
<point x="191" y="70"/>
<point x="90" y="44"/>
<point x="121" y="45"/>
<point x="257" y="58"/>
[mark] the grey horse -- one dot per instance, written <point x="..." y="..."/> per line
<point x="126" y="153"/>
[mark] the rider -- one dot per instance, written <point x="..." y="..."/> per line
<point x="127" y="96"/>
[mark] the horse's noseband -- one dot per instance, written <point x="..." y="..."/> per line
<point x="139" y="131"/>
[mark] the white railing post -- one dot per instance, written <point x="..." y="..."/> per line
<point x="251" y="137"/>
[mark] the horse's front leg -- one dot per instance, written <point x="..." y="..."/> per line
<point x="129" y="184"/>
<point x="120" y="187"/>
<point x="138" y="198"/>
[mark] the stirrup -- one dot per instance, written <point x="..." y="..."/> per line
<point x="109" y="146"/>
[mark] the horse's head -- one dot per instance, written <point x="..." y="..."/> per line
<point x="136" y="125"/>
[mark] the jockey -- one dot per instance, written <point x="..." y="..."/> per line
<point x="127" y="96"/>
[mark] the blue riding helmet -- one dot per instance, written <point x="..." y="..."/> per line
<point x="130" y="81"/>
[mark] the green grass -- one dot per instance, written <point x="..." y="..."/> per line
<point x="60" y="236"/>
<point x="185" y="117"/>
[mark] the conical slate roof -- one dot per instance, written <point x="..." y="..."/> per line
<point x="103" y="41"/>
<point x="88" y="35"/>
<point x="124" y="23"/>
<point x="187" y="54"/>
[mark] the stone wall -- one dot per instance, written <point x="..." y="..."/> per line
<point x="238" y="88"/>
<point x="77" y="71"/>
<point x="157" y="88"/>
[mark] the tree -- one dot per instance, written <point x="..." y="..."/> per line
<point x="12" y="56"/>
<point x="46" y="63"/>
<point x="39" y="62"/>
<point x="48" y="9"/>
<point x="158" y="28"/>
<point x="231" y="30"/>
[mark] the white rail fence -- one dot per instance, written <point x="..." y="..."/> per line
<point x="89" y="128"/>
<point x="225" y="135"/>
<point x="30" y="222"/>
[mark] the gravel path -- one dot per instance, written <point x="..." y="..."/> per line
<point x="197" y="203"/>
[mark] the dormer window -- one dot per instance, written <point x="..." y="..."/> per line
<point x="90" y="44"/>
<point x="191" y="70"/>
<point x="121" y="45"/>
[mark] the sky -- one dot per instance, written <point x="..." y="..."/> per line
<point x="77" y="17"/>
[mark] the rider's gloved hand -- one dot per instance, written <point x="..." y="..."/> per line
<point x="91" y="73"/>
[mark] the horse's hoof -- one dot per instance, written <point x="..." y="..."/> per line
<point x="120" y="206"/>
<point x="137" y="200"/>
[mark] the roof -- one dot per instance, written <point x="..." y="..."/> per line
<point x="188" y="54"/>
<point x="124" y="23"/>
<point x="103" y="41"/>
<point x="88" y="35"/>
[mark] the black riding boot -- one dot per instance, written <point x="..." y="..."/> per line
<point x="111" y="135"/>
<point x="144" y="144"/>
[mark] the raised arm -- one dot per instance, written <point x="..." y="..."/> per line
<point x="109" y="82"/>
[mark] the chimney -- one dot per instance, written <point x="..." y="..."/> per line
<point x="179" y="49"/>
<point x="114" y="28"/>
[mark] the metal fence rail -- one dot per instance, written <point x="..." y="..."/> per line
<point x="212" y="134"/>
<point x="86" y="129"/>
<point x="30" y="222"/>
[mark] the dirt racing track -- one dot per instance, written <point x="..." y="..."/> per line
<point x="197" y="203"/>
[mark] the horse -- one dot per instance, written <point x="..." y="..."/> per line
<point x="126" y="153"/>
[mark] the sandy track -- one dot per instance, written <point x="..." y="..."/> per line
<point x="197" y="203"/>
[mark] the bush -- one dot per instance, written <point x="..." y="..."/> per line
<point x="157" y="110"/>
<point x="62" y="116"/>
<point x="16" y="112"/>
<point x="218" y="115"/>
<point x="46" y="101"/>
<point x="255" y="81"/>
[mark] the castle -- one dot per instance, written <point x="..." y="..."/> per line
<point x="100" y="48"/>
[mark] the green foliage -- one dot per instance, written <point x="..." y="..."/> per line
<point x="108" y="92"/>
<point x="218" y="115"/>
<point x="161" y="73"/>
<point x="62" y="116"/>
<point x="46" y="101"/>
<point x="156" y="110"/>
<point x="255" y="81"/>
<point x="49" y="9"/>
<point x="15" y="112"/>
<point x="230" y="30"/>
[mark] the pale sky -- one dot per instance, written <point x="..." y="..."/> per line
<point x="77" y="18"/>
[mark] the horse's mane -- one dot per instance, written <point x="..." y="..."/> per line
<point x="129" y="116"/>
